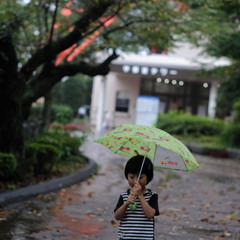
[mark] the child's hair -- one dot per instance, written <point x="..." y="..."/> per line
<point x="134" y="165"/>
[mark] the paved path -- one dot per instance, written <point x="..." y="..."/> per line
<point x="202" y="204"/>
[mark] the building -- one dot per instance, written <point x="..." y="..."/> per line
<point x="176" y="81"/>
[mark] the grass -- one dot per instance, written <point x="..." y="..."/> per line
<point x="207" y="142"/>
<point x="199" y="139"/>
<point x="58" y="171"/>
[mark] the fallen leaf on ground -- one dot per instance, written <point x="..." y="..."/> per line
<point x="162" y="211"/>
<point x="90" y="194"/>
<point x="114" y="224"/>
<point x="204" y="220"/>
<point x="165" y="197"/>
<point x="40" y="196"/>
<point x="227" y="234"/>
<point x="231" y="189"/>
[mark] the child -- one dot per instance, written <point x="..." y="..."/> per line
<point x="137" y="222"/>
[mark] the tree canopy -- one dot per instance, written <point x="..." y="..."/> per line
<point x="42" y="41"/>
<point x="75" y="92"/>
<point x="215" y="27"/>
<point x="53" y="39"/>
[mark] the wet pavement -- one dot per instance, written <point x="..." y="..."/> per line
<point x="202" y="204"/>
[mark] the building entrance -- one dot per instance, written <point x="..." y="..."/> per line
<point x="174" y="94"/>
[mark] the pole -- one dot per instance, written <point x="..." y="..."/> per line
<point x="100" y="109"/>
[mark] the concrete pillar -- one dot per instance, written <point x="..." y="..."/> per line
<point x="100" y="108"/>
<point x="212" y="100"/>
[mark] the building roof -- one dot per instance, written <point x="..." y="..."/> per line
<point x="183" y="62"/>
<point x="155" y="60"/>
<point x="183" y="55"/>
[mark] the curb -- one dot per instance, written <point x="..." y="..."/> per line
<point x="46" y="187"/>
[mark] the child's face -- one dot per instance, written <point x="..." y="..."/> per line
<point x="132" y="179"/>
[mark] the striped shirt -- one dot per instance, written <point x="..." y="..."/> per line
<point x="134" y="224"/>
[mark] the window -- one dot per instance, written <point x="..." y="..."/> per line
<point x="122" y="101"/>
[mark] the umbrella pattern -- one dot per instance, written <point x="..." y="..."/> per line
<point x="159" y="146"/>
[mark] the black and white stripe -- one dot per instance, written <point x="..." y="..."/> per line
<point x="134" y="224"/>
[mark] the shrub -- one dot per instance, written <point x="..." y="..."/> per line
<point x="77" y="159"/>
<point x="61" y="113"/>
<point x="8" y="165"/>
<point x="51" y="148"/>
<point x="231" y="135"/>
<point x="67" y="144"/>
<point x="179" y="123"/>
<point x="41" y="157"/>
<point x="52" y="138"/>
<point x="36" y="112"/>
<point x="236" y="108"/>
<point x="71" y="145"/>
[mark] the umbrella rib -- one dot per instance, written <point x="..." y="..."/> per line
<point x="121" y="145"/>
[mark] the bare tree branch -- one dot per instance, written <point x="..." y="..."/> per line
<point x="53" y="75"/>
<point x="53" y="22"/>
<point x="49" y="53"/>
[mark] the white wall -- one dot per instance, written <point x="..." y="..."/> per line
<point x="115" y="82"/>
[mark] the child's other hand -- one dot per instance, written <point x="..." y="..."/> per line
<point x="131" y="197"/>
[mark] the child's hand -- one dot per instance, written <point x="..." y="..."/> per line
<point x="131" y="197"/>
<point x="137" y="189"/>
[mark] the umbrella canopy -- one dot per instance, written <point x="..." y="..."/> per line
<point x="163" y="149"/>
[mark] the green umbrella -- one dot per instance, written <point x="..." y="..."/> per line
<point x="163" y="149"/>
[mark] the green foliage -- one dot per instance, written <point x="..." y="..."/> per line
<point x="74" y="159"/>
<point x="71" y="145"/>
<point x="75" y="92"/>
<point x="67" y="97"/>
<point x="219" y="28"/>
<point x="185" y="124"/>
<point x="231" y="135"/>
<point x="214" y="147"/>
<point x="50" y="138"/>
<point x="41" y="157"/>
<point x="8" y="165"/>
<point x="219" y="36"/>
<point x="67" y="144"/>
<point x="36" y="112"/>
<point x="229" y="93"/>
<point x="202" y="139"/>
<point x="51" y="149"/>
<point x="61" y="113"/>
<point x="140" y="23"/>
<point x="236" y="108"/>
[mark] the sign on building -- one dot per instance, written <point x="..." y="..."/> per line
<point x="147" y="109"/>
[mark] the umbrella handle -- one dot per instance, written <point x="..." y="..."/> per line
<point x="133" y="206"/>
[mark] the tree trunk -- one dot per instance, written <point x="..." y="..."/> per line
<point x="11" y="91"/>
<point x="47" y="109"/>
<point x="11" y="130"/>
